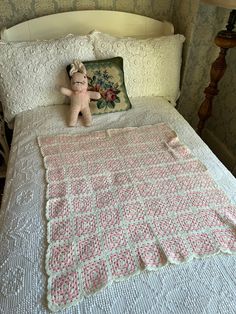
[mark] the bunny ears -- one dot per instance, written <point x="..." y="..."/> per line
<point x="76" y="66"/>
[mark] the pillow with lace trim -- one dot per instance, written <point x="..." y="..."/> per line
<point x="32" y="72"/>
<point x="151" y="66"/>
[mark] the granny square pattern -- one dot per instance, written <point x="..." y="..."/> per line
<point x="121" y="201"/>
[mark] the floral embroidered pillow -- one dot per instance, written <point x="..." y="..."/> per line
<point x="107" y="78"/>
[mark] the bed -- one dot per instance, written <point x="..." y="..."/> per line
<point x="196" y="283"/>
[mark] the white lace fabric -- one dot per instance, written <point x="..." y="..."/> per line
<point x="151" y="66"/>
<point x="33" y="72"/>
<point x="202" y="286"/>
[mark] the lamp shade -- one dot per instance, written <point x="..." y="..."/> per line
<point x="230" y="4"/>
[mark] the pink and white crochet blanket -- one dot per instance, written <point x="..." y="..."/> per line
<point x="123" y="200"/>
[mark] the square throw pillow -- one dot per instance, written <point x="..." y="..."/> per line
<point x="107" y="78"/>
<point x="32" y="72"/>
<point x="151" y="66"/>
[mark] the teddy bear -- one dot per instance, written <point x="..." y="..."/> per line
<point x="79" y="94"/>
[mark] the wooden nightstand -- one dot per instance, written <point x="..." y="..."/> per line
<point x="225" y="40"/>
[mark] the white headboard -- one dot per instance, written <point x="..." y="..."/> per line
<point x="82" y="22"/>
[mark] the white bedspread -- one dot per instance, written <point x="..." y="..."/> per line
<point x="201" y="286"/>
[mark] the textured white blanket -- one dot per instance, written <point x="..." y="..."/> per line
<point x="202" y="286"/>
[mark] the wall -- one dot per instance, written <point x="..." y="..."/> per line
<point x="15" y="11"/>
<point x="199" y="23"/>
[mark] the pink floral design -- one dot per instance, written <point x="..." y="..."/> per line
<point x="110" y="95"/>
<point x="104" y="83"/>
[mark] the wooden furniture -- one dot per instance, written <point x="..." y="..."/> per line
<point x="225" y="40"/>
<point x="83" y="22"/>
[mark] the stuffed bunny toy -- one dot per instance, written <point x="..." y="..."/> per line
<point x="79" y="95"/>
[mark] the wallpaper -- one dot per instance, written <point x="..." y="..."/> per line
<point x="15" y="11"/>
<point x="198" y="22"/>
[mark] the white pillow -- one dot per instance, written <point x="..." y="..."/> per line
<point x="151" y="66"/>
<point x="31" y="72"/>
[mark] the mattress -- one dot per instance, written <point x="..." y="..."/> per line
<point x="200" y="286"/>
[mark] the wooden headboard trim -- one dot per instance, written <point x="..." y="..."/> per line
<point x="82" y="22"/>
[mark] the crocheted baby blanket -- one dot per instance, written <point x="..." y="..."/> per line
<point x="123" y="200"/>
